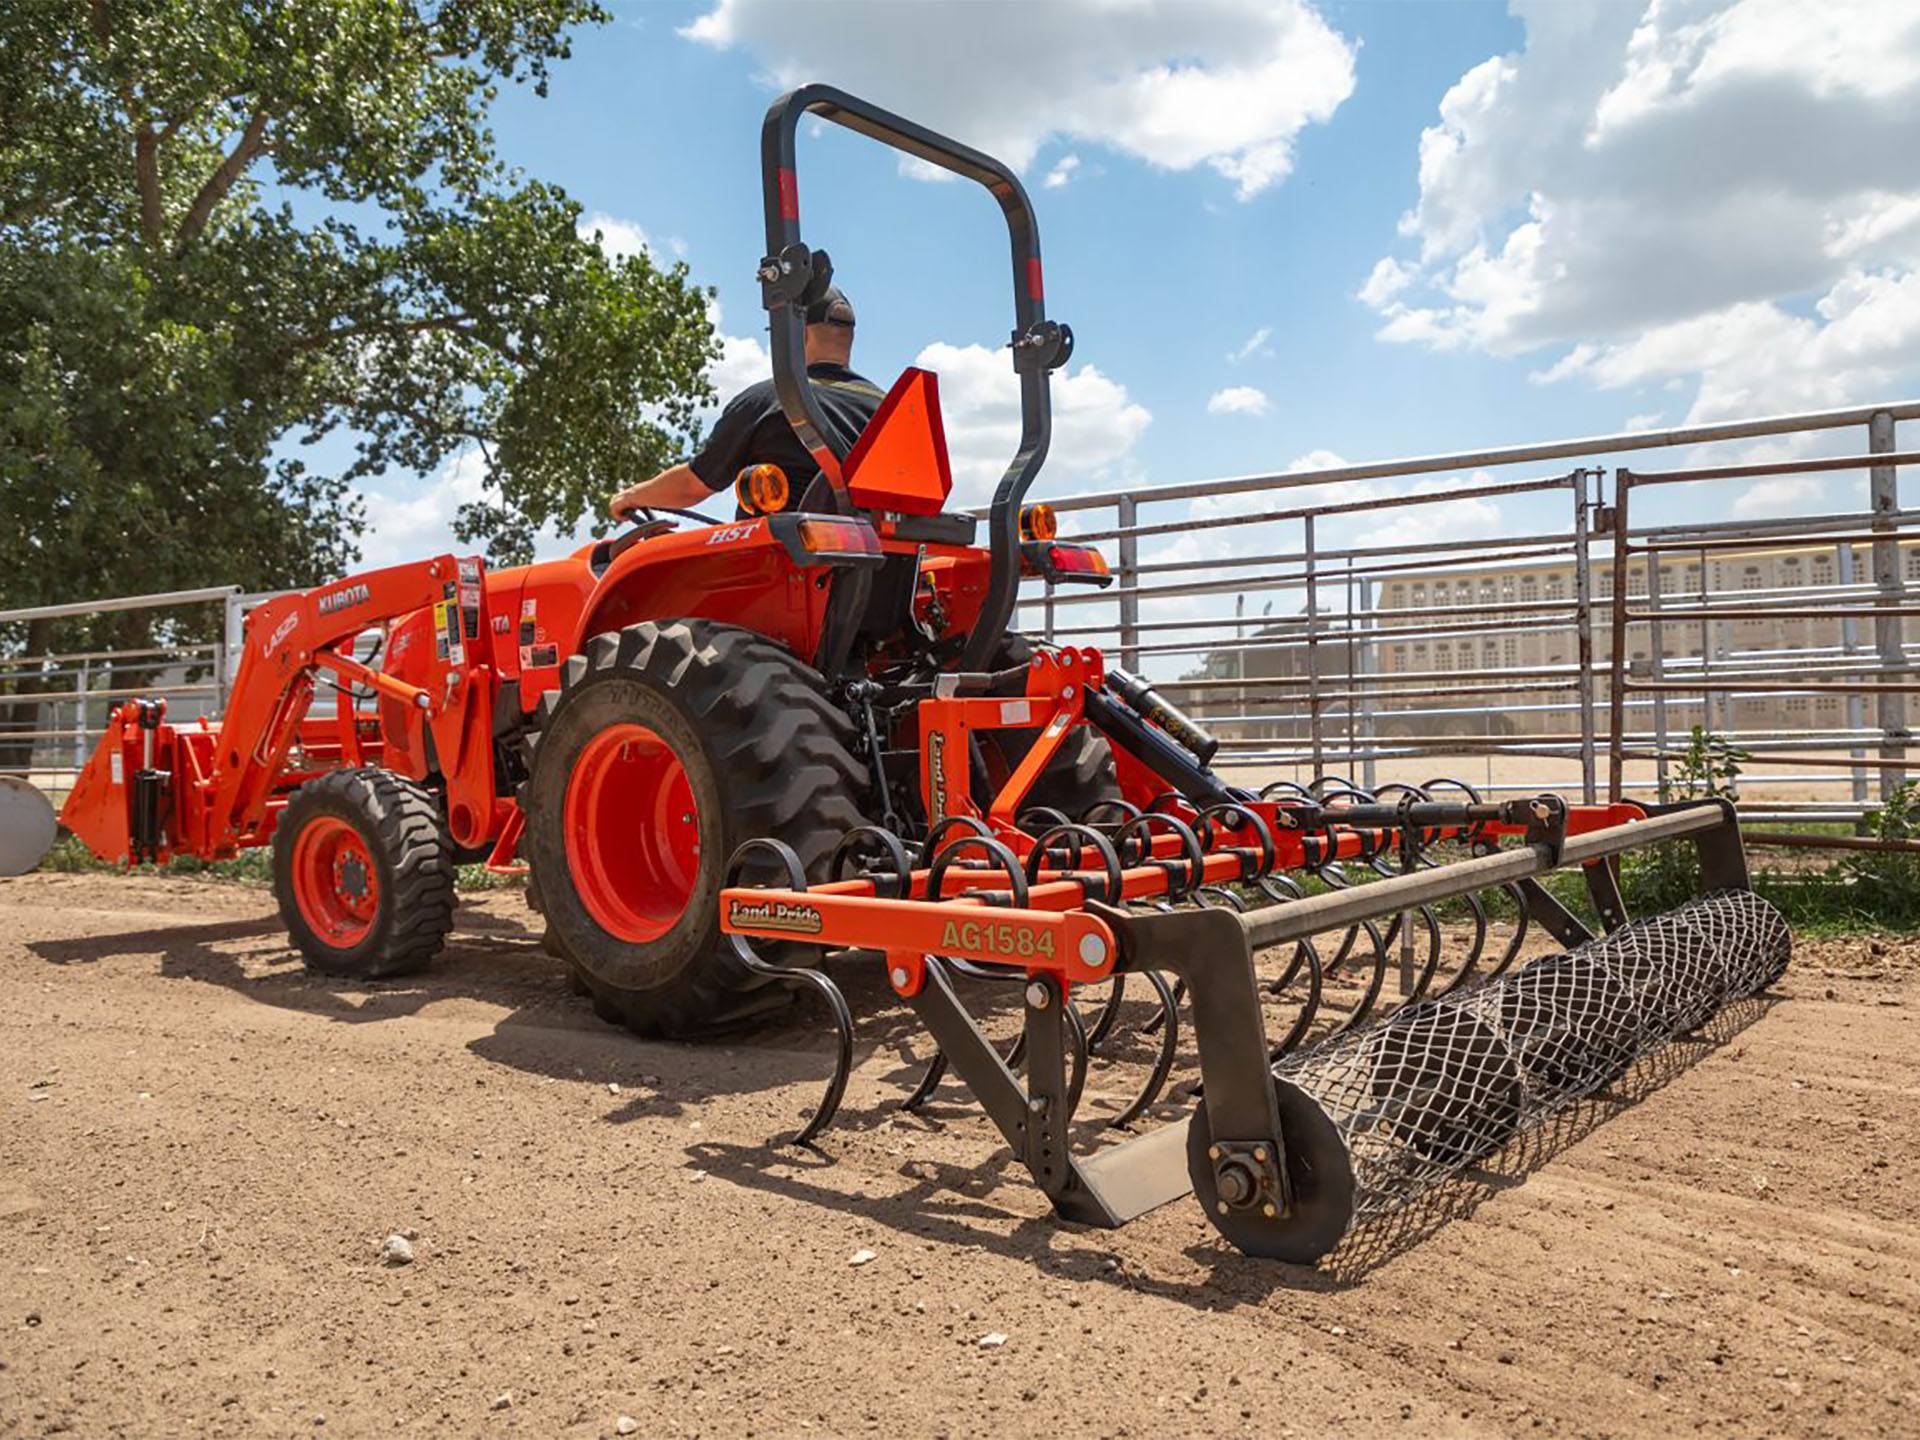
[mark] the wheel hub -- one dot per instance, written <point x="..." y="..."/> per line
<point x="335" y="883"/>
<point x="633" y="832"/>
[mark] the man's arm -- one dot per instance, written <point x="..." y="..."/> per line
<point x="718" y="461"/>
<point x="677" y="488"/>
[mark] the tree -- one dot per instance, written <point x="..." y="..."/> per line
<point x="230" y="226"/>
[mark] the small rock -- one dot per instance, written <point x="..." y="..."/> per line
<point x="33" y="1319"/>
<point x="1336" y="1329"/>
<point x="626" y="1425"/>
<point x="613" y="1087"/>
<point x="991" y="1341"/>
<point x="396" y="1249"/>
<point x="502" y="1401"/>
<point x="862" y="1257"/>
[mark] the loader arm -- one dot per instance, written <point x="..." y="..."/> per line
<point x="213" y="788"/>
<point x="292" y="638"/>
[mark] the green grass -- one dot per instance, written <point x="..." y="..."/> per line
<point x="253" y="867"/>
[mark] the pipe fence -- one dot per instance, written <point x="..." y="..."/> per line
<point x="1422" y="632"/>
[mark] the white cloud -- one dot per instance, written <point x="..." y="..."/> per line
<point x="1095" y="423"/>
<point x="1062" y="171"/>
<point x="1476" y="517"/>
<point x="1686" y="173"/>
<point x="1228" y="84"/>
<point x="1645" y="421"/>
<point x="1780" y="495"/>
<point x="1237" y="400"/>
<point x="1387" y="279"/>
<point x="418" y="522"/>
<point x="1863" y="337"/>
<point x="410" y="526"/>
<point x="1255" y="344"/>
<point x="619" y="238"/>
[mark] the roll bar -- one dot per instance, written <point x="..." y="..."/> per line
<point x="793" y="276"/>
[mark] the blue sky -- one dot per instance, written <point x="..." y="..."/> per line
<point x="1285" y="232"/>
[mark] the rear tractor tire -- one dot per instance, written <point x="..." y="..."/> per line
<point x="363" y="870"/>
<point x="666" y="745"/>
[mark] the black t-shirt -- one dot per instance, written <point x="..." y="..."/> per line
<point x="753" y="429"/>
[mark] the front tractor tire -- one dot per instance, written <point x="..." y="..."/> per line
<point x="666" y="745"/>
<point x="363" y="870"/>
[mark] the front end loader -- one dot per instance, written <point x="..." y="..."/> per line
<point x="727" y="749"/>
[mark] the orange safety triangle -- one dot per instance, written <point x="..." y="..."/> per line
<point x="900" y="461"/>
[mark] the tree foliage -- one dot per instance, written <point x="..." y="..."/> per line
<point x="230" y="226"/>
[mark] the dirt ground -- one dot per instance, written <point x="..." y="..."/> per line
<point x="202" y="1149"/>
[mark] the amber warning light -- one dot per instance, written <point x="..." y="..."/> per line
<point x="762" y="489"/>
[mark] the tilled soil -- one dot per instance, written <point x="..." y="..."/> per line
<point x="203" y="1148"/>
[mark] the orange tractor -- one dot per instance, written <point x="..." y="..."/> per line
<point x="719" y="747"/>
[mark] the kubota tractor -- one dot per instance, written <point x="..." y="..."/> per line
<point x="724" y="748"/>
<point x="626" y="717"/>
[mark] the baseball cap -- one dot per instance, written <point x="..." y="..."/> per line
<point x="832" y="308"/>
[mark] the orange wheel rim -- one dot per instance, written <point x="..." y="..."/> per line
<point x="335" y="882"/>
<point x="633" y="833"/>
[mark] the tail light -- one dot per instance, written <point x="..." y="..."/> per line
<point x="829" y="535"/>
<point x="1064" y="564"/>
<point x="814" y="540"/>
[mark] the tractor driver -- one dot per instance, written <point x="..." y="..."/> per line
<point x="753" y="429"/>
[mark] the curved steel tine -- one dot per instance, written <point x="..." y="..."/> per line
<point x="1432" y="967"/>
<point x="1309" y="1009"/>
<point x="1365" y="1006"/>
<point x="1474" y="950"/>
<point x="1218" y="897"/>
<point x="1109" y="1012"/>
<point x="823" y="986"/>
<point x="1337" y="879"/>
<point x="1163" y="1062"/>
<point x="929" y="1082"/>
<point x="1077" y="1048"/>
<point x="1521" y="924"/>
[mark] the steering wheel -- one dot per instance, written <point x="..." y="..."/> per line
<point x="644" y="515"/>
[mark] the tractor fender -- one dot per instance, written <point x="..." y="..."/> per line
<point x="738" y="574"/>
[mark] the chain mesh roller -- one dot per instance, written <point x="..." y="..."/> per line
<point x="1445" y="1083"/>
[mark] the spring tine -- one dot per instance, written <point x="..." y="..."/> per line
<point x="1472" y="962"/>
<point x="1520" y="927"/>
<point x="1365" y="1007"/>
<point x="1169" y="1017"/>
<point x="1109" y="1012"/>
<point x="843" y="1061"/>
<point x="929" y="1082"/>
<point x="1077" y="1047"/>
<point x="1309" y="1009"/>
<point x="1431" y="966"/>
<point x="842" y="1017"/>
